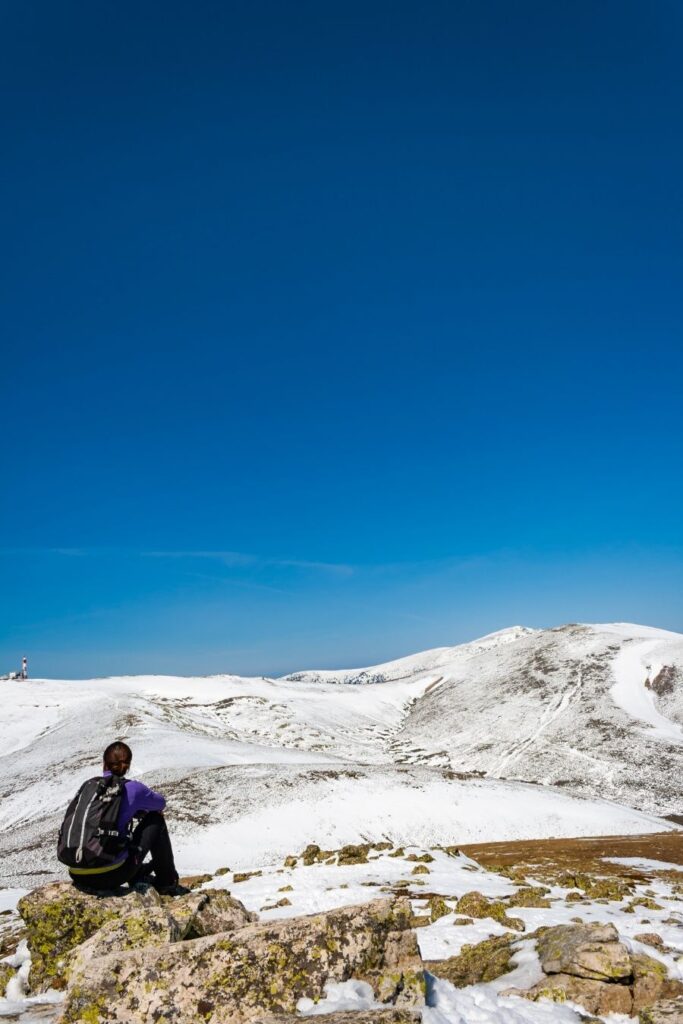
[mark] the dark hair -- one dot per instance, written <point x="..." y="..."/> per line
<point x="114" y="753"/>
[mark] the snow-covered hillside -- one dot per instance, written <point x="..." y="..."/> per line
<point x="427" y="749"/>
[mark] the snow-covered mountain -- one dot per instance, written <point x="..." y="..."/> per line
<point x="432" y="748"/>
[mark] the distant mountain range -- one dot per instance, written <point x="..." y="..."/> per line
<point x="414" y="749"/>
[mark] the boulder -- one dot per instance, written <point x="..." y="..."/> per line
<point x="66" y="928"/>
<point x="437" y="907"/>
<point x="257" y="970"/>
<point x="207" y="913"/>
<point x="188" y="917"/>
<point x="59" y="917"/>
<point x="650" y="939"/>
<point x="590" y="951"/>
<point x="476" y="963"/>
<point x="649" y="978"/>
<point x="597" y="997"/>
<point x="473" y="904"/>
<point x="530" y="896"/>
<point x="664" y="1011"/>
<point x="6" y="972"/>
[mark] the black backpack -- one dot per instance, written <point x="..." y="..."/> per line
<point x="89" y="836"/>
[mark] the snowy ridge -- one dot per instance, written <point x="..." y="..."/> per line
<point x="453" y="744"/>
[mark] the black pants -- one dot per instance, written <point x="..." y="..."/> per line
<point x="150" y="836"/>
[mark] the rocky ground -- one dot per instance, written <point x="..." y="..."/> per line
<point x="498" y="934"/>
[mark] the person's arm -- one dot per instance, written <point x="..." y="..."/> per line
<point x="142" y="798"/>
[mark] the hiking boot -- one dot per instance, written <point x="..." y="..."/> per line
<point x="173" y="890"/>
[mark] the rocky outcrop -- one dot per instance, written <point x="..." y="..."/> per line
<point x="59" y="918"/>
<point x="596" y="997"/>
<point x="6" y="972"/>
<point x="586" y="951"/>
<point x="530" y="896"/>
<point x="588" y="965"/>
<point x="257" y="970"/>
<point x="66" y="928"/>
<point x="473" y="904"/>
<point x="476" y="963"/>
<point x="665" y="1011"/>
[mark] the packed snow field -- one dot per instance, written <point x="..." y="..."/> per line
<point x="574" y="731"/>
<point x="525" y="733"/>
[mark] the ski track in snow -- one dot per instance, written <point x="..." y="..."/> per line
<point x="549" y="717"/>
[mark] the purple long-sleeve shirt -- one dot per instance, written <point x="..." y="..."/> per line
<point x="137" y="797"/>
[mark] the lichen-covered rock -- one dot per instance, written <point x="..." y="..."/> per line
<point x="644" y="901"/>
<point x="207" y="913"/>
<point x="153" y="926"/>
<point x="438" y="908"/>
<point x="67" y="928"/>
<point x="598" y="888"/>
<point x="584" y="950"/>
<point x="473" y="904"/>
<point x="530" y="896"/>
<point x="649" y="978"/>
<point x="59" y="917"/>
<point x="188" y="917"/>
<point x="420" y="869"/>
<point x="354" y="854"/>
<point x="650" y="939"/>
<point x="482" y="962"/>
<point x="259" y="969"/>
<point x="195" y="881"/>
<point x="597" y="997"/>
<point x="6" y="972"/>
<point x="391" y="1016"/>
<point x="664" y="1011"/>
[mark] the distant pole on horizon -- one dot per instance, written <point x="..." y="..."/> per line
<point x="24" y="667"/>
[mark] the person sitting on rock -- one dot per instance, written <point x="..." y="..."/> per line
<point x="148" y="836"/>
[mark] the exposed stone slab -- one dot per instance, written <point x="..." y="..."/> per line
<point x="59" y="917"/>
<point x="590" y="951"/>
<point x="258" y="970"/>
<point x="67" y="927"/>
<point x="665" y="1011"/>
<point x="597" y="997"/>
<point x="484" y="961"/>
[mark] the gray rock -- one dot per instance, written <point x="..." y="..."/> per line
<point x="258" y="970"/>
<point x="590" y="951"/>
<point x="67" y="928"/>
<point x="58" y="917"/>
<point x="665" y="1011"/>
<point x="597" y="997"/>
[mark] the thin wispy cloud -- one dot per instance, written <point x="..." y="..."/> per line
<point x="229" y="559"/>
<point x="239" y="560"/>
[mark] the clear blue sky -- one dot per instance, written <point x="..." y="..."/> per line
<point x="336" y="331"/>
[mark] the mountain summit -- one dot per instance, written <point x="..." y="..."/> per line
<point x="576" y="730"/>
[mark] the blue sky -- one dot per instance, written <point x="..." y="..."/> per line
<point x="333" y="332"/>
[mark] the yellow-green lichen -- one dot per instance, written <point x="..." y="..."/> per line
<point x="482" y="962"/>
<point x="474" y="904"/>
